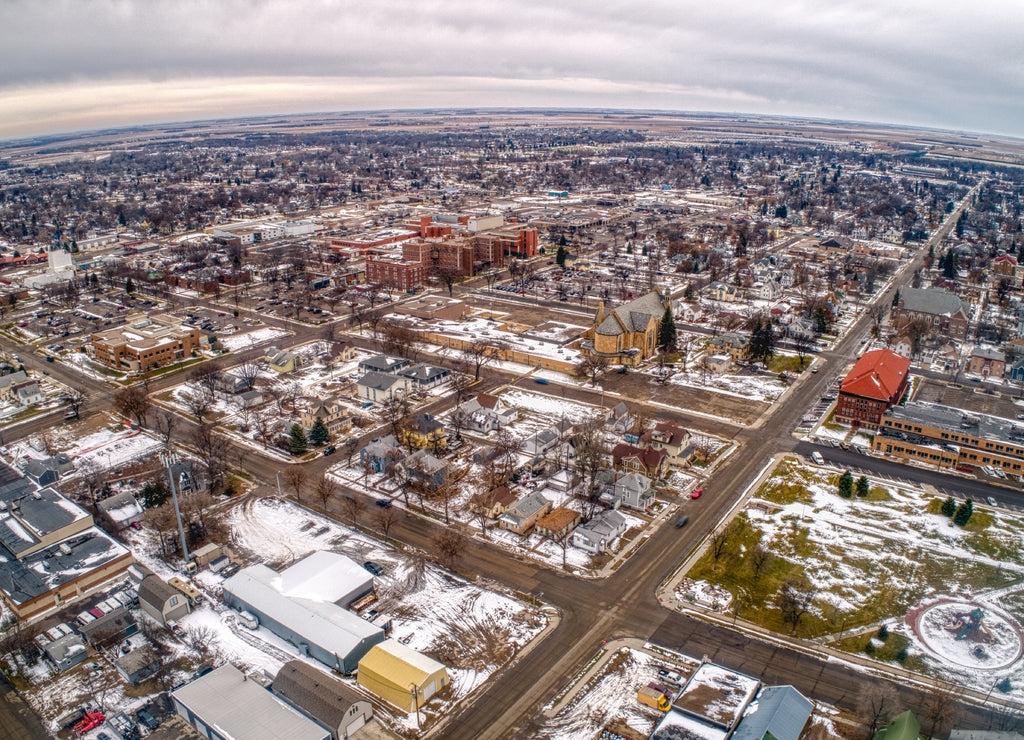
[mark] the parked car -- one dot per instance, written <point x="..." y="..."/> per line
<point x="330" y="450"/>
<point x="373" y="568"/>
<point x="248" y="619"/>
<point x="146" y="719"/>
<point x="681" y="521"/>
<point x="383" y="503"/>
<point x="697" y="493"/>
<point x="991" y="501"/>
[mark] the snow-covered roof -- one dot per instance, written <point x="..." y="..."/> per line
<point x="325" y="576"/>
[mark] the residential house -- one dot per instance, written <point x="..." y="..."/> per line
<point x="493" y="503"/>
<point x="483" y="413"/>
<point x="627" y="334"/>
<point x="619" y="418"/>
<point x="943" y="312"/>
<point x="719" y="291"/>
<point x="675" y="440"/>
<point x="162" y="601"/>
<point x="66" y="651"/>
<point x="730" y="343"/>
<point x="877" y="382"/>
<point x="109" y="629"/>
<point x="558" y="524"/>
<point x="336" y="352"/>
<point x="597" y="535"/>
<point x="903" y="727"/>
<point x="381" y="453"/>
<point x="384" y="364"/>
<point x="281" y="361"/>
<point x="987" y="362"/>
<point x="138" y="664"/>
<point x="29" y="393"/>
<point x="327" y="700"/>
<point x="42" y="472"/>
<point x="8" y="383"/>
<point x="767" y="290"/>
<point x="423" y="431"/>
<point x="631" y="489"/>
<point x="381" y="387"/>
<point x="335" y="415"/>
<point x="122" y="508"/>
<point x="1017" y="371"/>
<point x="524" y="513"/>
<point x="647" y="460"/>
<point x="424" y="377"/>
<point x="426" y="470"/>
<point x="778" y="712"/>
<point x="540" y="442"/>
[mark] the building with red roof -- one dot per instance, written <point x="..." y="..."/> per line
<point x="877" y="382"/>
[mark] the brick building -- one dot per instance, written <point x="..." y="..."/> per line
<point x="394" y="272"/>
<point x="943" y="312"/>
<point x="144" y="343"/>
<point x="877" y="382"/>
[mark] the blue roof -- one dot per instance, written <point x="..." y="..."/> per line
<point x="780" y="710"/>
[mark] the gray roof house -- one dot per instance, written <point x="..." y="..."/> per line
<point x="378" y="387"/>
<point x="426" y="376"/>
<point x="223" y="704"/>
<point x="384" y="364"/>
<point x="110" y="628"/>
<point x="779" y="712"/>
<point x="540" y="442"/>
<point x="138" y="665"/>
<point x="333" y="704"/>
<point x="122" y="508"/>
<point x="424" y="467"/>
<point x="162" y="601"/>
<point x="66" y="651"/>
<point x="598" y="534"/>
<point x="628" y="489"/>
<point x="524" y="513"/>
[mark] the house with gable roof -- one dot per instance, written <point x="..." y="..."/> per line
<point x="647" y="460"/>
<point x="484" y="413"/>
<point x="943" y="312"/>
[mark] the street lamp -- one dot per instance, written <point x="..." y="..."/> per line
<point x="169" y="458"/>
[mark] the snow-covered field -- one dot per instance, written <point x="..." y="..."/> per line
<point x="113" y="446"/>
<point x="891" y="550"/>
<point x="250" y="339"/>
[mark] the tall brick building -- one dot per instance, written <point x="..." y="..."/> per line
<point x="877" y="382"/>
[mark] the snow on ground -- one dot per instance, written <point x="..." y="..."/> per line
<point x="765" y="388"/>
<point x="250" y="339"/>
<point x="856" y="551"/>
<point x="552" y="408"/>
<point x="471" y="630"/>
<point x="107" y="448"/>
<point x="609" y="696"/>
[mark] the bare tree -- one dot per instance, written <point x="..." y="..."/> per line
<point x="74" y="399"/>
<point x="450" y="544"/>
<point x="212" y="449"/>
<point x="132" y="403"/>
<point x="295" y="476"/>
<point x="795" y="599"/>
<point x="939" y="710"/>
<point x="203" y="639"/>
<point x="479" y="354"/>
<point x="878" y="703"/>
<point x="207" y="375"/>
<point x="385" y="519"/>
<point x="163" y="424"/>
<point x="248" y="371"/>
<point x="325" y="490"/>
<point x="352" y="506"/>
<point x="198" y="401"/>
<point x="591" y="456"/>
<point x="264" y="423"/>
<point x="719" y="539"/>
<point x="760" y="557"/>
<point x="592" y="366"/>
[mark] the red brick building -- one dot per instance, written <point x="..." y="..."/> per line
<point x="395" y="273"/>
<point x="876" y="382"/>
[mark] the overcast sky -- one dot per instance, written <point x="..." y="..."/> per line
<point x="78" y="64"/>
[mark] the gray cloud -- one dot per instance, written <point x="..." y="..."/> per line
<point x="70" y="64"/>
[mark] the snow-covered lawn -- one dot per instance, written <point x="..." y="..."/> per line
<point x="111" y="447"/>
<point x="864" y="562"/>
<point x="250" y="339"/>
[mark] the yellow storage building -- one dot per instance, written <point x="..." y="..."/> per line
<point x="400" y="675"/>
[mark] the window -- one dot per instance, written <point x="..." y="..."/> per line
<point x="173" y="601"/>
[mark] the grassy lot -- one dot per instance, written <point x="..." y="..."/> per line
<point x="848" y="563"/>
<point x="788" y="364"/>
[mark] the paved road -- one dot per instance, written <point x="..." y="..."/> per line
<point x="17" y="720"/>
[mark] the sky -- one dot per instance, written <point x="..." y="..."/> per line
<point x="70" y="65"/>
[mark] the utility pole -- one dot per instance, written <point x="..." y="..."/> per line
<point x="168" y="459"/>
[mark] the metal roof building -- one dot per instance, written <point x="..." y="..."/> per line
<point x="328" y="700"/>
<point x="224" y="705"/>
<point x="400" y="675"/>
<point x="779" y="712"/>
<point x="301" y="605"/>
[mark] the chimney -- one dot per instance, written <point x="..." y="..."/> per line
<point x="600" y="312"/>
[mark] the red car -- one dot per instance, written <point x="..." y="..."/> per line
<point x="90" y="721"/>
<point x="697" y="493"/>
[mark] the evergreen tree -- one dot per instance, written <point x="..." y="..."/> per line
<point x="688" y="293"/>
<point x="560" y="256"/>
<point x="761" y="346"/>
<point x="667" y="331"/>
<point x="963" y="513"/>
<point x="846" y="485"/>
<point x="896" y="298"/>
<point x="949" y="269"/>
<point x="129" y="286"/>
<point x="863" y="487"/>
<point x="318" y="433"/>
<point x="297" y="441"/>
<point x="154" y="494"/>
<point x="949" y="506"/>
